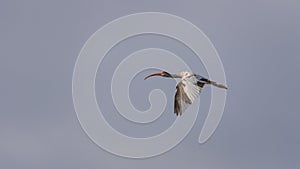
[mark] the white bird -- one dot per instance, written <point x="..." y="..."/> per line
<point x="188" y="89"/>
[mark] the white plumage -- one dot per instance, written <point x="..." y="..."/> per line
<point x="188" y="89"/>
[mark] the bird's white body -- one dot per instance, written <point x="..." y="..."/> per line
<point x="185" y="74"/>
<point x="187" y="91"/>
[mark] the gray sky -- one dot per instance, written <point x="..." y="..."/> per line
<point x="258" y="42"/>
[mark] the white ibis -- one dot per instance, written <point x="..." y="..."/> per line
<point x="188" y="89"/>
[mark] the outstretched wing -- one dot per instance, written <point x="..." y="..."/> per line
<point x="187" y="91"/>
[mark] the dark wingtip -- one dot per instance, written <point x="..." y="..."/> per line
<point x="225" y="87"/>
<point x="177" y="114"/>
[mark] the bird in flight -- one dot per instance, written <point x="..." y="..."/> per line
<point x="188" y="89"/>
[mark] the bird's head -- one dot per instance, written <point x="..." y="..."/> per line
<point x="163" y="74"/>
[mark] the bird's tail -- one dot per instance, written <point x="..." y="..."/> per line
<point x="218" y="85"/>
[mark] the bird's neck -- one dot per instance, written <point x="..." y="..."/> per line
<point x="175" y="76"/>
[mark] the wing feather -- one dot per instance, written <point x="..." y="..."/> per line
<point x="187" y="91"/>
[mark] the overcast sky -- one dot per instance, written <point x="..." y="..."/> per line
<point x="258" y="42"/>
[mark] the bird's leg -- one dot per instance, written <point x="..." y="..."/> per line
<point x="218" y="85"/>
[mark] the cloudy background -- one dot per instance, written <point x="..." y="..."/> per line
<point x="258" y="42"/>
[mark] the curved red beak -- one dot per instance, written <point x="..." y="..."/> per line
<point x="155" y="74"/>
